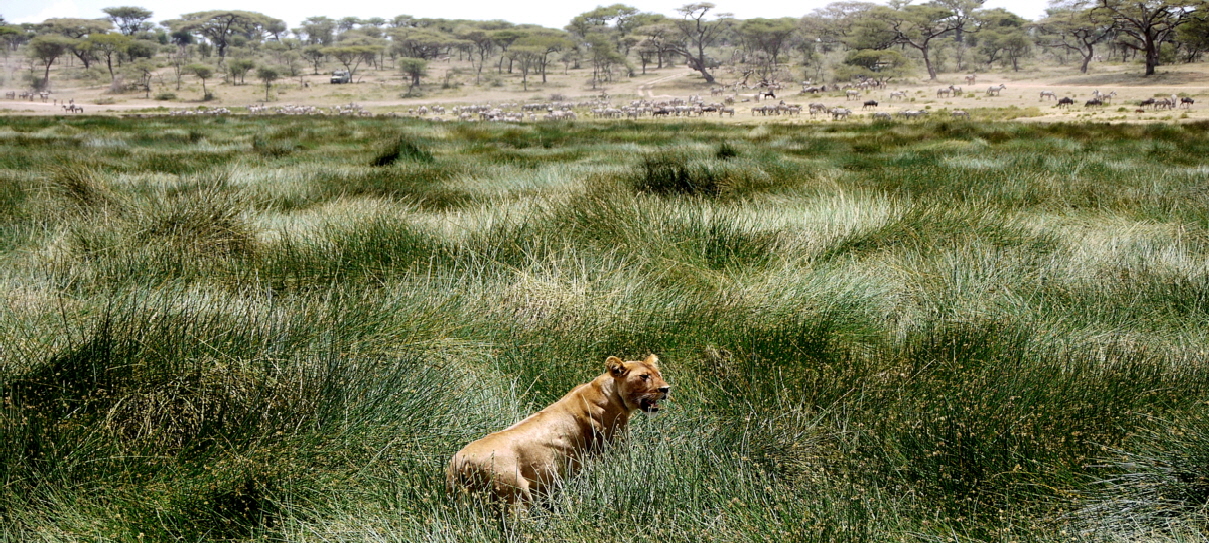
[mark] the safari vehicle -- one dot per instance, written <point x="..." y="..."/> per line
<point x="341" y="76"/>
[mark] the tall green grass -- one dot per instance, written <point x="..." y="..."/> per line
<point x="280" y="329"/>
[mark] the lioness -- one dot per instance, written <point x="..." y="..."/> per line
<point x="521" y="460"/>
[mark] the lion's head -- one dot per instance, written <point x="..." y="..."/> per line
<point x="639" y="383"/>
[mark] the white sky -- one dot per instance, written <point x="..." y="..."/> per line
<point x="550" y="13"/>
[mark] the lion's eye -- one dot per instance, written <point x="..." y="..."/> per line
<point x="646" y="377"/>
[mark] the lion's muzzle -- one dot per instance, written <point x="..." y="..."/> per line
<point x="650" y="402"/>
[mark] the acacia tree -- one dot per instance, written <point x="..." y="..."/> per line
<point x="1193" y="37"/>
<point x="658" y="40"/>
<point x="966" y="15"/>
<point x="109" y="46"/>
<point x="314" y="54"/>
<point x="239" y="68"/>
<point x="317" y="31"/>
<point x="267" y="75"/>
<point x="1150" y="22"/>
<point x="413" y="68"/>
<point x="203" y="72"/>
<point x="78" y="30"/>
<point x="878" y="65"/>
<point x="834" y="23"/>
<point x="46" y="49"/>
<point x="697" y="34"/>
<point x="129" y="19"/>
<point x="604" y="55"/>
<point x="351" y="56"/>
<point x="1004" y="35"/>
<point x="547" y="42"/>
<point x="916" y="26"/>
<point x="423" y="43"/>
<point x="527" y="58"/>
<point x="624" y="18"/>
<point x="219" y="26"/>
<point x="8" y="36"/>
<point x="503" y="40"/>
<point x="479" y="43"/>
<point x="145" y="70"/>
<point x="1075" y="26"/>
<point x="770" y="36"/>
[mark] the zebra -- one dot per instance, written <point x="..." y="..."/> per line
<point x="994" y="91"/>
<point x="1048" y="94"/>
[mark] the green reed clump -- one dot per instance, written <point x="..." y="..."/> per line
<point x="1156" y="483"/>
<point x="423" y="184"/>
<point x="82" y="187"/>
<point x="271" y="148"/>
<point x="670" y="173"/>
<point x="726" y="151"/>
<point x="405" y="149"/>
<point x="361" y="249"/>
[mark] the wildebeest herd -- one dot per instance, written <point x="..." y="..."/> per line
<point x="602" y="106"/>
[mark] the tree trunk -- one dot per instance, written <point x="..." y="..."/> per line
<point x="1152" y="55"/>
<point x="928" y="63"/>
<point x="1086" y="60"/>
<point x="700" y="62"/>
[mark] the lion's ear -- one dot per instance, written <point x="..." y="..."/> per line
<point x="652" y="361"/>
<point x="615" y="366"/>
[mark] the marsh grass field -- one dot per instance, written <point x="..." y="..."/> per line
<point x="279" y="329"/>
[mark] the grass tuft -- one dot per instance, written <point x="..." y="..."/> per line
<point x="405" y="149"/>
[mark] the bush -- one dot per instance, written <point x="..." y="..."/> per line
<point x="165" y="96"/>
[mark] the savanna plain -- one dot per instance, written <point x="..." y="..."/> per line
<point x="239" y="328"/>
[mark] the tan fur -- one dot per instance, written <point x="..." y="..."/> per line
<point x="526" y="458"/>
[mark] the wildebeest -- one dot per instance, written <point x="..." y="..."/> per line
<point x="1066" y="101"/>
<point x="869" y="103"/>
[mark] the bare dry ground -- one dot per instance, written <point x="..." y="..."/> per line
<point x="385" y="91"/>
